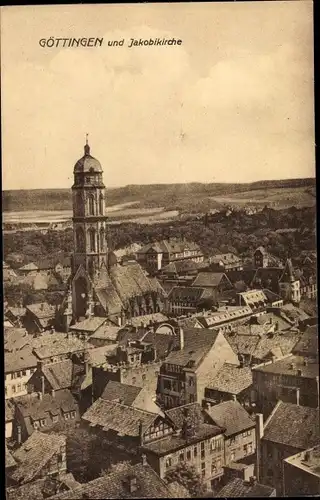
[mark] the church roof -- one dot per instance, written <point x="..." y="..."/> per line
<point x="87" y="163"/>
<point x="131" y="281"/>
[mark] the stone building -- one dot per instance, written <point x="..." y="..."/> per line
<point x="98" y="286"/>
<point x="301" y="473"/>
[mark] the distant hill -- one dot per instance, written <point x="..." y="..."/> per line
<point x="181" y="197"/>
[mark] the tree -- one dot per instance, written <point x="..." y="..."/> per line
<point x="187" y="476"/>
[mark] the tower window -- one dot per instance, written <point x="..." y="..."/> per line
<point x="91" y="205"/>
<point x="92" y="240"/>
<point x="101" y="203"/>
<point x="101" y="239"/>
<point x="80" y="240"/>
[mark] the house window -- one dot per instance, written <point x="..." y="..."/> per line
<point x="55" y="418"/>
<point x="189" y="455"/>
<point x="18" y="387"/>
<point x="32" y="370"/>
<point x="247" y="449"/>
<point x="24" y="373"/>
<point x="73" y="414"/>
<point x="203" y="469"/>
<point x="144" y="376"/>
<point x="181" y="457"/>
<point x="36" y="424"/>
<point x="13" y="388"/>
<point x="213" y="468"/>
<point x="67" y="416"/>
<point x="202" y="450"/>
<point x="195" y="451"/>
<point x="213" y="444"/>
<point x="166" y="384"/>
<point x="13" y="376"/>
<point x="168" y="462"/>
<point x="232" y="456"/>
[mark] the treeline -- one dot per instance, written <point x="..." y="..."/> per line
<point x="239" y="233"/>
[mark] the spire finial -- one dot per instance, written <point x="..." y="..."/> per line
<point x="87" y="147"/>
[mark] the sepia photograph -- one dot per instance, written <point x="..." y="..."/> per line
<point x="160" y="330"/>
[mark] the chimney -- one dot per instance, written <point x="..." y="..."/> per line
<point x="40" y="396"/>
<point x="305" y="362"/>
<point x="181" y="338"/>
<point x="298" y="396"/>
<point x="19" y="434"/>
<point x="53" y="393"/>
<point x="259" y="436"/>
<point x="42" y="384"/>
<point x="119" y="321"/>
<point x="39" y="365"/>
<point x="144" y="459"/>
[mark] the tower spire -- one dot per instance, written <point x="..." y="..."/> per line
<point x="87" y="147"/>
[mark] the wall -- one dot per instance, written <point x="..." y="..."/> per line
<point x="11" y="383"/>
<point x="234" y="445"/>
<point x="8" y="429"/>
<point x="272" y="456"/>
<point x="298" y="481"/>
<point x="221" y="352"/>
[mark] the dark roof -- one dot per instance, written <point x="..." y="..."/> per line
<point x="116" y="391"/>
<point x="259" y="346"/>
<point x="89" y="324"/>
<point x="19" y="360"/>
<point x="42" y="310"/>
<point x="308" y="343"/>
<point x="290" y="366"/>
<point x="120" y="418"/>
<point x="208" y="279"/>
<point x="231" y="416"/>
<point x="34" y="454"/>
<point x="245" y="275"/>
<point x="9" y="460"/>
<point x="9" y="410"/>
<point x="267" y="275"/>
<point x="239" y="488"/>
<point x="31" y="406"/>
<point x="172" y="443"/>
<point x="188" y="293"/>
<point x="197" y="343"/>
<point x="50" y="344"/>
<point x="59" y="375"/>
<point x="177" y="415"/>
<point x="115" y="484"/>
<point x="271" y="296"/>
<point x="231" y="379"/>
<point x="293" y="425"/>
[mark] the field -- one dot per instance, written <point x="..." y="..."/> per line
<point x="299" y="196"/>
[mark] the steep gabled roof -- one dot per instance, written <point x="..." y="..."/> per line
<point x="293" y="425"/>
<point x="231" y="416"/>
<point x="35" y="453"/>
<point x="232" y="379"/>
<point x="213" y="280"/>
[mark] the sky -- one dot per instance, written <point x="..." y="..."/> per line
<point x="232" y="103"/>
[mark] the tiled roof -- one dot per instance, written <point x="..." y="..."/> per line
<point x="187" y="293"/>
<point x="148" y="318"/>
<point x="19" y="360"/>
<point x="18" y="312"/>
<point x="262" y="250"/>
<point x="232" y="313"/>
<point x="131" y="281"/>
<point x="115" y="484"/>
<point x="183" y="267"/>
<point x="31" y="266"/>
<point x="191" y="322"/>
<point x="174" y="245"/>
<point x="122" y="393"/>
<point x="42" y="310"/>
<point x="271" y="296"/>
<point x="98" y="355"/>
<point x="294" y="426"/>
<point x="9" y="410"/>
<point x="177" y="415"/>
<point x="16" y="338"/>
<point x="260" y="346"/>
<point x="59" y="374"/>
<point x="208" y="279"/>
<point x="28" y="491"/>
<point x="239" y="488"/>
<point x="231" y="416"/>
<point x="109" y="300"/>
<point x="254" y="296"/>
<point x="308" y="343"/>
<point x="31" y="407"/>
<point x="106" y="332"/>
<point x="290" y="366"/>
<point x="118" y="417"/>
<point x="267" y="276"/>
<point x="293" y="312"/>
<point x="198" y="343"/>
<point x="88" y="325"/>
<point x="9" y="460"/>
<point x="245" y="275"/>
<point x="172" y="443"/>
<point x="49" y="345"/>
<point x="33" y="455"/>
<point x="232" y="379"/>
<point x="226" y="258"/>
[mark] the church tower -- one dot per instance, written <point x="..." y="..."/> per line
<point x="89" y="230"/>
<point x="89" y="219"/>
<point x="289" y="285"/>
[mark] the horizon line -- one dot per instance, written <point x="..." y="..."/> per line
<point x="169" y="184"/>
